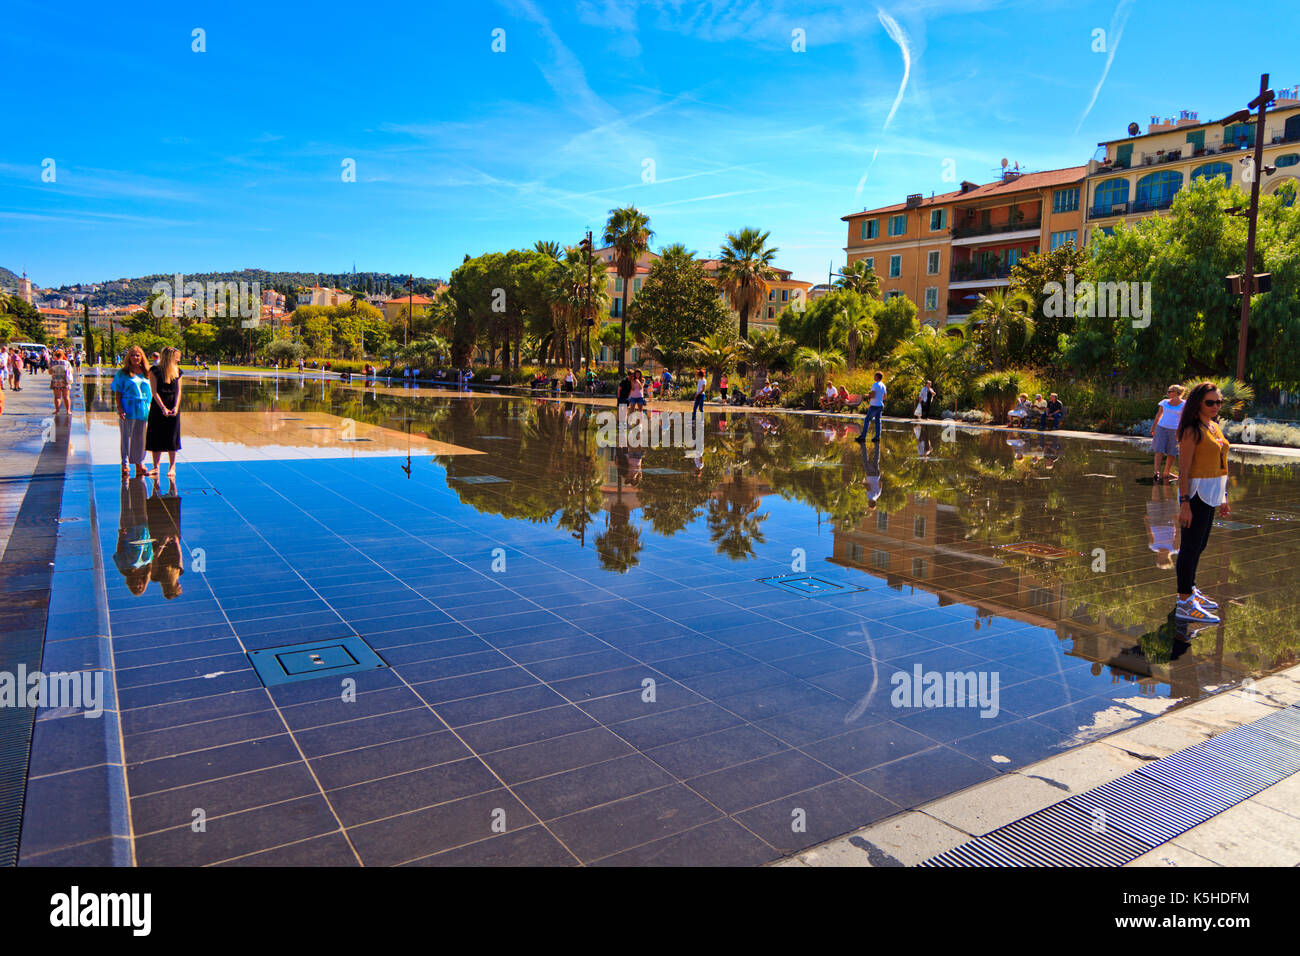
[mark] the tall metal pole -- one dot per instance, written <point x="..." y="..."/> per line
<point x="586" y="308"/>
<point x="1247" y="279"/>
<point x="410" y="306"/>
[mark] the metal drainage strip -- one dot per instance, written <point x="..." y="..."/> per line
<point x="1150" y="806"/>
<point x="1063" y="835"/>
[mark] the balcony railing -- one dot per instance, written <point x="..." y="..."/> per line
<point x="966" y="232"/>
<point x="964" y="272"/>
<point x="1129" y="208"/>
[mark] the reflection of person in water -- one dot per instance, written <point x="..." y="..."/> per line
<point x="1163" y="530"/>
<point x="134" y="554"/>
<point x="634" y="465"/>
<point x="922" y="441"/>
<point x="871" y="465"/>
<point x="164" y="516"/>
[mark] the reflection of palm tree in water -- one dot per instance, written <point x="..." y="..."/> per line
<point x="733" y="518"/>
<point x="620" y="543"/>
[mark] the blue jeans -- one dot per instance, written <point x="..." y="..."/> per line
<point x="699" y="403"/>
<point x="873" y="413"/>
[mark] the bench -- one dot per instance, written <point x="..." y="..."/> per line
<point x="494" y="380"/>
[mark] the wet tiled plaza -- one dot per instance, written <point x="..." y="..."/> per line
<point x="626" y="655"/>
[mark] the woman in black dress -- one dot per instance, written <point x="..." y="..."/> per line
<point x="164" y="430"/>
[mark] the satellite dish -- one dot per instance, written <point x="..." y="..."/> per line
<point x="1004" y="163"/>
<point x="1133" y="129"/>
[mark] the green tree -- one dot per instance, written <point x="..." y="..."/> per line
<point x="716" y="354"/>
<point x="818" y="364"/>
<point x="677" y="304"/>
<point x="855" y="327"/>
<point x="770" y="351"/>
<point x="1034" y="276"/>
<point x="859" y="277"/>
<point x="997" y="316"/>
<point x="628" y="231"/>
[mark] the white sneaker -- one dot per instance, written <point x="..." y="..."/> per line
<point x="1190" y="610"/>
<point x="1203" y="600"/>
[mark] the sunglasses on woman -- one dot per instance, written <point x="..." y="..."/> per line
<point x="1212" y="401"/>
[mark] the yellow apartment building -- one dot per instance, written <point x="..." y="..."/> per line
<point x="1139" y="175"/>
<point x="943" y="251"/>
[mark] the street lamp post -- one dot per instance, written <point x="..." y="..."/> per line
<point x="410" y="305"/>
<point x="1257" y="169"/>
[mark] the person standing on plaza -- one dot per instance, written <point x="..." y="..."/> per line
<point x="61" y="381"/>
<point x="875" y="409"/>
<point x="722" y="387"/>
<point x="1202" y="487"/>
<point x="927" y="397"/>
<point x="134" y="396"/>
<point x="164" y="431"/>
<point x="701" y="389"/>
<point x="15" y="370"/>
<point x="636" y="395"/>
<point x="1164" y="432"/>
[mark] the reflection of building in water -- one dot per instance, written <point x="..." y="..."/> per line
<point x="923" y="545"/>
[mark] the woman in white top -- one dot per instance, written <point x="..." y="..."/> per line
<point x="1020" y="414"/>
<point x="1164" y="433"/>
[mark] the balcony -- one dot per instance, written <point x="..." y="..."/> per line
<point x="969" y="271"/>
<point x="1024" y="225"/>
<point x="1130" y="208"/>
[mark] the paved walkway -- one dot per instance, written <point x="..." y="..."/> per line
<point x="1262" y="830"/>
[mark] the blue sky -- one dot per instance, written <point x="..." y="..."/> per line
<point x="168" y="160"/>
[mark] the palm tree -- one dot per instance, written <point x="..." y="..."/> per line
<point x="676" y="255"/>
<point x="717" y="354"/>
<point x="768" y="351"/>
<point x="629" y="232"/>
<point x="745" y="269"/>
<point x="858" y="329"/>
<point x="859" y="277"/>
<point x="818" y="364"/>
<point x="929" y="356"/>
<point x="548" y="247"/>
<point x="998" y="313"/>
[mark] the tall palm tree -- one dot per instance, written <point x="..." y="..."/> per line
<point x="745" y="269"/>
<point x="549" y="247"/>
<point x="818" y="364"/>
<point x="629" y="232"/>
<point x="998" y="313"/>
<point x="857" y="327"/>
<point x="859" y="277"/>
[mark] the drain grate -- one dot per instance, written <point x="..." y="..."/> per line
<point x="659" y="471"/>
<point x="1144" y="808"/>
<point x="481" y="479"/>
<point x="1034" y="549"/>
<point x="974" y="853"/>
<point x="1233" y="525"/>
<point x="1206" y="775"/>
<point x="808" y="585"/>
<point x="1062" y="835"/>
<point x="297" y="662"/>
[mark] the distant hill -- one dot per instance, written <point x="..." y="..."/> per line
<point x="138" y="289"/>
<point x="8" y="280"/>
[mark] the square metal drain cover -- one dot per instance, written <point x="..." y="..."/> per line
<point x="808" y="585"/>
<point x="340" y="655"/>
<point x="480" y="479"/>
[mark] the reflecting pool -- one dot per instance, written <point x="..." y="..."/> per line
<point x="597" y="652"/>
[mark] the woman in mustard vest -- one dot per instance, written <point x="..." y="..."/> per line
<point x="1202" y="487"/>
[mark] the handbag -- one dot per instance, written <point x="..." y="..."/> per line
<point x="917" y="412"/>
